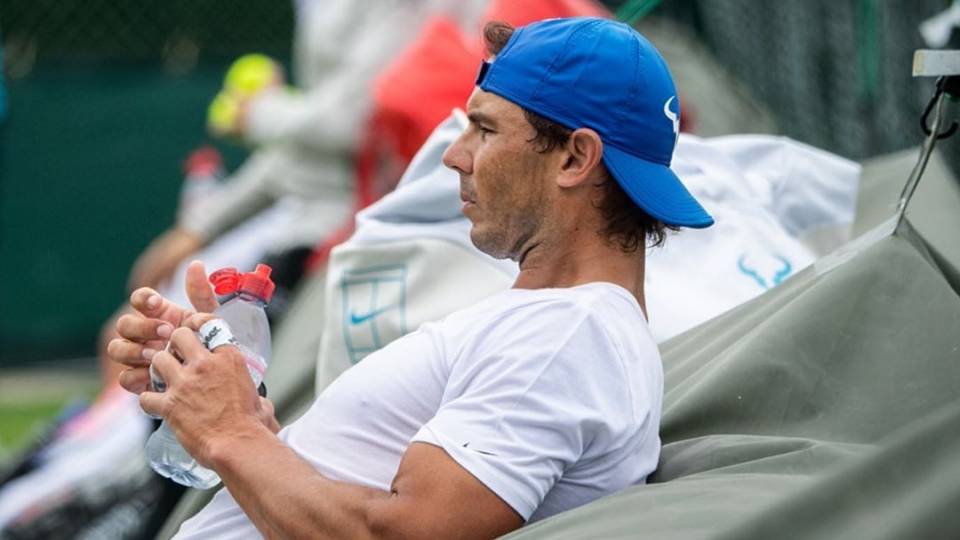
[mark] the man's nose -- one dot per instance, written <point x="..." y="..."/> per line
<point x="457" y="158"/>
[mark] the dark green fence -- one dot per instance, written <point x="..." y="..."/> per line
<point x="150" y="30"/>
<point x="89" y="173"/>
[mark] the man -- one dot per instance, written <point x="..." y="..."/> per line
<point x="534" y="401"/>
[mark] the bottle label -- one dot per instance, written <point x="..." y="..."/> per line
<point x="216" y="332"/>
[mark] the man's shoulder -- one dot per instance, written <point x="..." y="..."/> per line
<point x="572" y="305"/>
<point x="599" y="315"/>
<point x="587" y="298"/>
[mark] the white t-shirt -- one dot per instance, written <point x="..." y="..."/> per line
<point x="550" y="397"/>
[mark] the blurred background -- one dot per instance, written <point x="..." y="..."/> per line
<point x="104" y="99"/>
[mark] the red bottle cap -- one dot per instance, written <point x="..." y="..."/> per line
<point x="258" y="283"/>
<point x="204" y="161"/>
<point x="225" y="281"/>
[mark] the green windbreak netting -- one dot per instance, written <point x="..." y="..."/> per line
<point x="144" y="30"/>
<point x="836" y="74"/>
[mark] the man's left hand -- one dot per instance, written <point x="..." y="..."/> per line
<point x="210" y="398"/>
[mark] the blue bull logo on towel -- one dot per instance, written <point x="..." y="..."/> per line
<point x="766" y="270"/>
<point x="374" y="308"/>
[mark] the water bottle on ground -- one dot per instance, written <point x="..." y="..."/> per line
<point x="242" y="322"/>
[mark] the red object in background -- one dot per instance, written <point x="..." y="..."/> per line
<point x="521" y="13"/>
<point x="203" y="161"/>
<point x="688" y="118"/>
<point x="431" y="77"/>
<point x="436" y="73"/>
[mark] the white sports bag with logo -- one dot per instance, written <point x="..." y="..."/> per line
<point x="410" y="261"/>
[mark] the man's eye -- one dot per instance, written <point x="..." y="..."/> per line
<point x="484" y="132"/>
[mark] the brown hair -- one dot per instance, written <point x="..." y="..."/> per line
<point x="627" y="224"/>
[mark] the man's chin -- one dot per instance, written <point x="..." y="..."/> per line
<point x="487" y="243"/>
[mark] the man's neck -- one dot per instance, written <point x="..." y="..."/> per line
<point x="578" y="259"/>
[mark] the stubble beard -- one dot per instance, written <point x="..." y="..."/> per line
<point x="509" y="238"/>
<point x="511" y="235"/>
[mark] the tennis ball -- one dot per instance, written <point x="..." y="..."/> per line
<point x="250" y="74"/>
<point x="222" y="115"/>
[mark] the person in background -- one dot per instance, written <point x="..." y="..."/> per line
<point x="304" y="140"/>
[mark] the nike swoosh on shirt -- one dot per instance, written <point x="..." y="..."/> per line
<point x="358" y="319"/>
<point x="465" y="445"/>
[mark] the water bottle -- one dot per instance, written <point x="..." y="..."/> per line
<point x="240" y="321"/>
<point x="203" y="178"/>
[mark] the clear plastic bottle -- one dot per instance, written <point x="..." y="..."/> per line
<point x="246" y="320"/>
<point x="203" y="178"/>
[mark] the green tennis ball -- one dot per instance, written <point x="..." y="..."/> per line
<point x="250" y="74"/>
<point x="222" y="113"/>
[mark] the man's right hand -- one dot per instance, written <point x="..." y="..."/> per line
<point x="146" y="331"/>
<point x="161" y="258"/>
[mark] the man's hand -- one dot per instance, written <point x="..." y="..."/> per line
<point x="210" y="399"/>
<point x="146" y="331"/>
<point x="161" y="258"/>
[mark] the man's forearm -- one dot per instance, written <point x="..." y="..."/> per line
<point x="284" y="496"/>
<point x="243" y="196"/>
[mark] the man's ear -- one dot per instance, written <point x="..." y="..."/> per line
<point x="583" y="155"/>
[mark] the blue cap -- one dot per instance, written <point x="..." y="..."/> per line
<point x="601" y="74"/>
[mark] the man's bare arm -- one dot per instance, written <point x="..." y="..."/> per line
<point x="431" y="496"/>
<point x="211" y="405"/>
